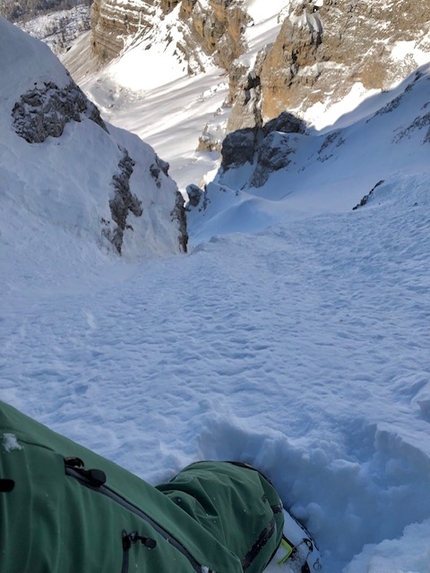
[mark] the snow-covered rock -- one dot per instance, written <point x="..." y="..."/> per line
<point x="63" y="164"/>
<point x="45" y="110"/>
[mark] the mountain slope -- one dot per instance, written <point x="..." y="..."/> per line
<point x="63" y="167"/>
<point x="293" y="336"/>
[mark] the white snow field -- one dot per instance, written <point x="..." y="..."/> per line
<point x="294" y="335"/>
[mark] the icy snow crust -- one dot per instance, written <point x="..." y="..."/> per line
<point x="294" y="336"/>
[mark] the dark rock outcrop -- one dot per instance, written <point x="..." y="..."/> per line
<point x="285" y="123"/>
<point x="45" y="111"/>
<point x="238" y="148"/>
<point x="366" y="198"/>
<point x="194" y="195"/>
<point x="273" y="154"/>
<point x="268" y="147"/>
<point x="179" y="214"/>
<point x="157" y="168"/>
<point x="123" y="203"/>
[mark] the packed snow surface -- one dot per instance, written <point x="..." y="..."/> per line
<point x="293" y="336"/>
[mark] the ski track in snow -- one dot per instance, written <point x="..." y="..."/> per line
<point x="302" y="350"/>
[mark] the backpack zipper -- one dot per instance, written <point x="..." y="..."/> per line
<point x="95" y="480"/>
<point x="261" y="541"/>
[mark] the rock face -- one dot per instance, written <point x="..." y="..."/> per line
<point x="45" y="111"/>
<point x="268" y="147"/>
<point x="323" y="47"/>
<point x="323" y="50"/>
<point x="220" y="26"/>
<point x="113" y="22"/>
<point x="238" y="148"/>
<point x="214" y="26"/>
<point x="294" y="50"/>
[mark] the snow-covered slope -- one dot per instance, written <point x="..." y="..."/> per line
<point x="64" y="170"/>
<point x="297" y="343"/>
<point x="302" y="349"/>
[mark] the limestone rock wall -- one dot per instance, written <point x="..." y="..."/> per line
<point x="213" y="26"/>
<point x="216" y="26"/>
<point x="324" y="49"/>
<point x="113" y="22"/>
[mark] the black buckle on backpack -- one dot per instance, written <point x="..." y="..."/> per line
<point x="6" y="485"/>
<point x="92" y="477"/>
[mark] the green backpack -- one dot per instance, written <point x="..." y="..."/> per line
<point x="64" y="509"/>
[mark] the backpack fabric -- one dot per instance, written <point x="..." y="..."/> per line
<point x="65" y="509"/>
